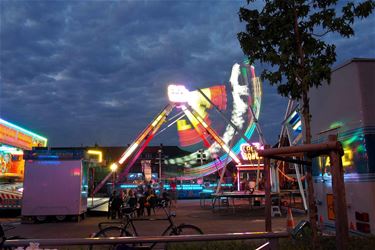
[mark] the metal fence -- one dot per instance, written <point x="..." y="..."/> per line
<point x="272" y="237"/>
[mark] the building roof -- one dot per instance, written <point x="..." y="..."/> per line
<point x="355" y="59"/>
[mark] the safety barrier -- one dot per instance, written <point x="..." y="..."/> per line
<point x="273" y="238"/>
<point x="10" y="203"/>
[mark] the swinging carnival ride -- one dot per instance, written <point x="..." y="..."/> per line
<point x="194" y="126"/>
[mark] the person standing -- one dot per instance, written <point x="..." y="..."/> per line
<point x="173" y="192"/>
<point x="150" y="201"/>
<point x="116" y="206"/>
<point x="111" y="198"/>
<point x="131" y="200"/>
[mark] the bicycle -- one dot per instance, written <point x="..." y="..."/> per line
<point x="123" y="229"/>
<point x="3" y="238"/>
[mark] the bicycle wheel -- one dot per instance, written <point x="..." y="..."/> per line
<point x="110" y="232"/>
<point x="185" y="229"/>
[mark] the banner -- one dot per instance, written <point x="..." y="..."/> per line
<point x="146" y="169"/>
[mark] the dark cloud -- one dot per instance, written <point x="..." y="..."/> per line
<point x="85" y="72"/>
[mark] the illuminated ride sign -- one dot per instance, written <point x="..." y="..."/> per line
<point x="13" y="135"/>
<point x="252" y="161"/>
<point x="249" y="152"/>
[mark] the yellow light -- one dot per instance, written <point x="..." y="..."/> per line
<point x="96" y="152"/>
<point x="157" y="120"/>
<point x="113" y="167"/>
<point x="347" y="158"/>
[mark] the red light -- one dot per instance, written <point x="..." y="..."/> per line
<point x="364" y="217"/>
<point x="363" y="227"/>
<point x="76" y="172"/>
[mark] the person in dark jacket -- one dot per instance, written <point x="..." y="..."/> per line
<point x="116" y="204"/>
<point x="150" y="201"/>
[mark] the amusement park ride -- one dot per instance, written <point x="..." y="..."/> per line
<point x="246" y="91"/>
<point x="246" y="95"/>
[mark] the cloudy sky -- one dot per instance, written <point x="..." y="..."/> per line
<point x="85" y="72"/>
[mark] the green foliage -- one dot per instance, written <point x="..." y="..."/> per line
<point x="288" y="36"/>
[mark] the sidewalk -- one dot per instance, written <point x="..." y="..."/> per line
<point x="188" y="212"/>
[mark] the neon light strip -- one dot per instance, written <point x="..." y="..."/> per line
<point x="297" y="125"/>
<point x="128" y="152"/>
<point x="143" y="135"/>
<point x="23" y="130"/>
<point x="157" y="120"/>
<point x="145" y="143"/>
<point x="194" y="121"/>
<point x="10" y="150"/>
<point x="182" y="187"/>
<point x="96" y="152"/>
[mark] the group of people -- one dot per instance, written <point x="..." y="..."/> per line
<point x="250" y="185"/>
<point x="142" y="199"/>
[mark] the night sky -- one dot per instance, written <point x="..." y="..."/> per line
<point x="86" y="72"/>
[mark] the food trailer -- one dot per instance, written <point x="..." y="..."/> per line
<point x="346" y="108"/>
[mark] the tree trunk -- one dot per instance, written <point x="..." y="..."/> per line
<point x="307" y="128"/>
<point x="309" y="180"/>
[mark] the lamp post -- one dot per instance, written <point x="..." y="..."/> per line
<point x="113" y="168"/>
<point x="159" y="152"/>
<point x="202" y="157"/>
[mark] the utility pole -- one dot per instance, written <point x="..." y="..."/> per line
<point x="202" y="157"/>
<point x="160" y="151"/>
<point x="113" y="168"/>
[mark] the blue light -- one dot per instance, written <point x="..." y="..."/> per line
<point x="223" y="185"/>
<point x="48" y="157"/>
<point x="128" y="186"/>
<point x="50" y="162"/>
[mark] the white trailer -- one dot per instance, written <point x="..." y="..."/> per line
<point x="55" y="185"/>
<point x="346" y="108"/>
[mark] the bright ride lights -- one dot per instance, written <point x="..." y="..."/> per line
<point x="245" y="99"/>
<point x="178" y="93"/>
<point x="246" y="92"/>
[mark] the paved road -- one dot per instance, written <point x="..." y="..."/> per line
<point x="188" y="211"/>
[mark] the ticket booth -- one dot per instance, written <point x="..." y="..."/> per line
<point x="250" y="171"/>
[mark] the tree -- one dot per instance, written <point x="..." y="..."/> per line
<point x="288" y="35"/>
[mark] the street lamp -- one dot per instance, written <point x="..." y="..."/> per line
<point x="113" y="168"/>
<point x="159" y="152"/>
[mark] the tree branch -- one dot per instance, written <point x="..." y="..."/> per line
<point x="323" y="34"/>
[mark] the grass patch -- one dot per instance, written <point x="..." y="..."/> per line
<point x="217" y="245"/>
<point x="355" y="243"/>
